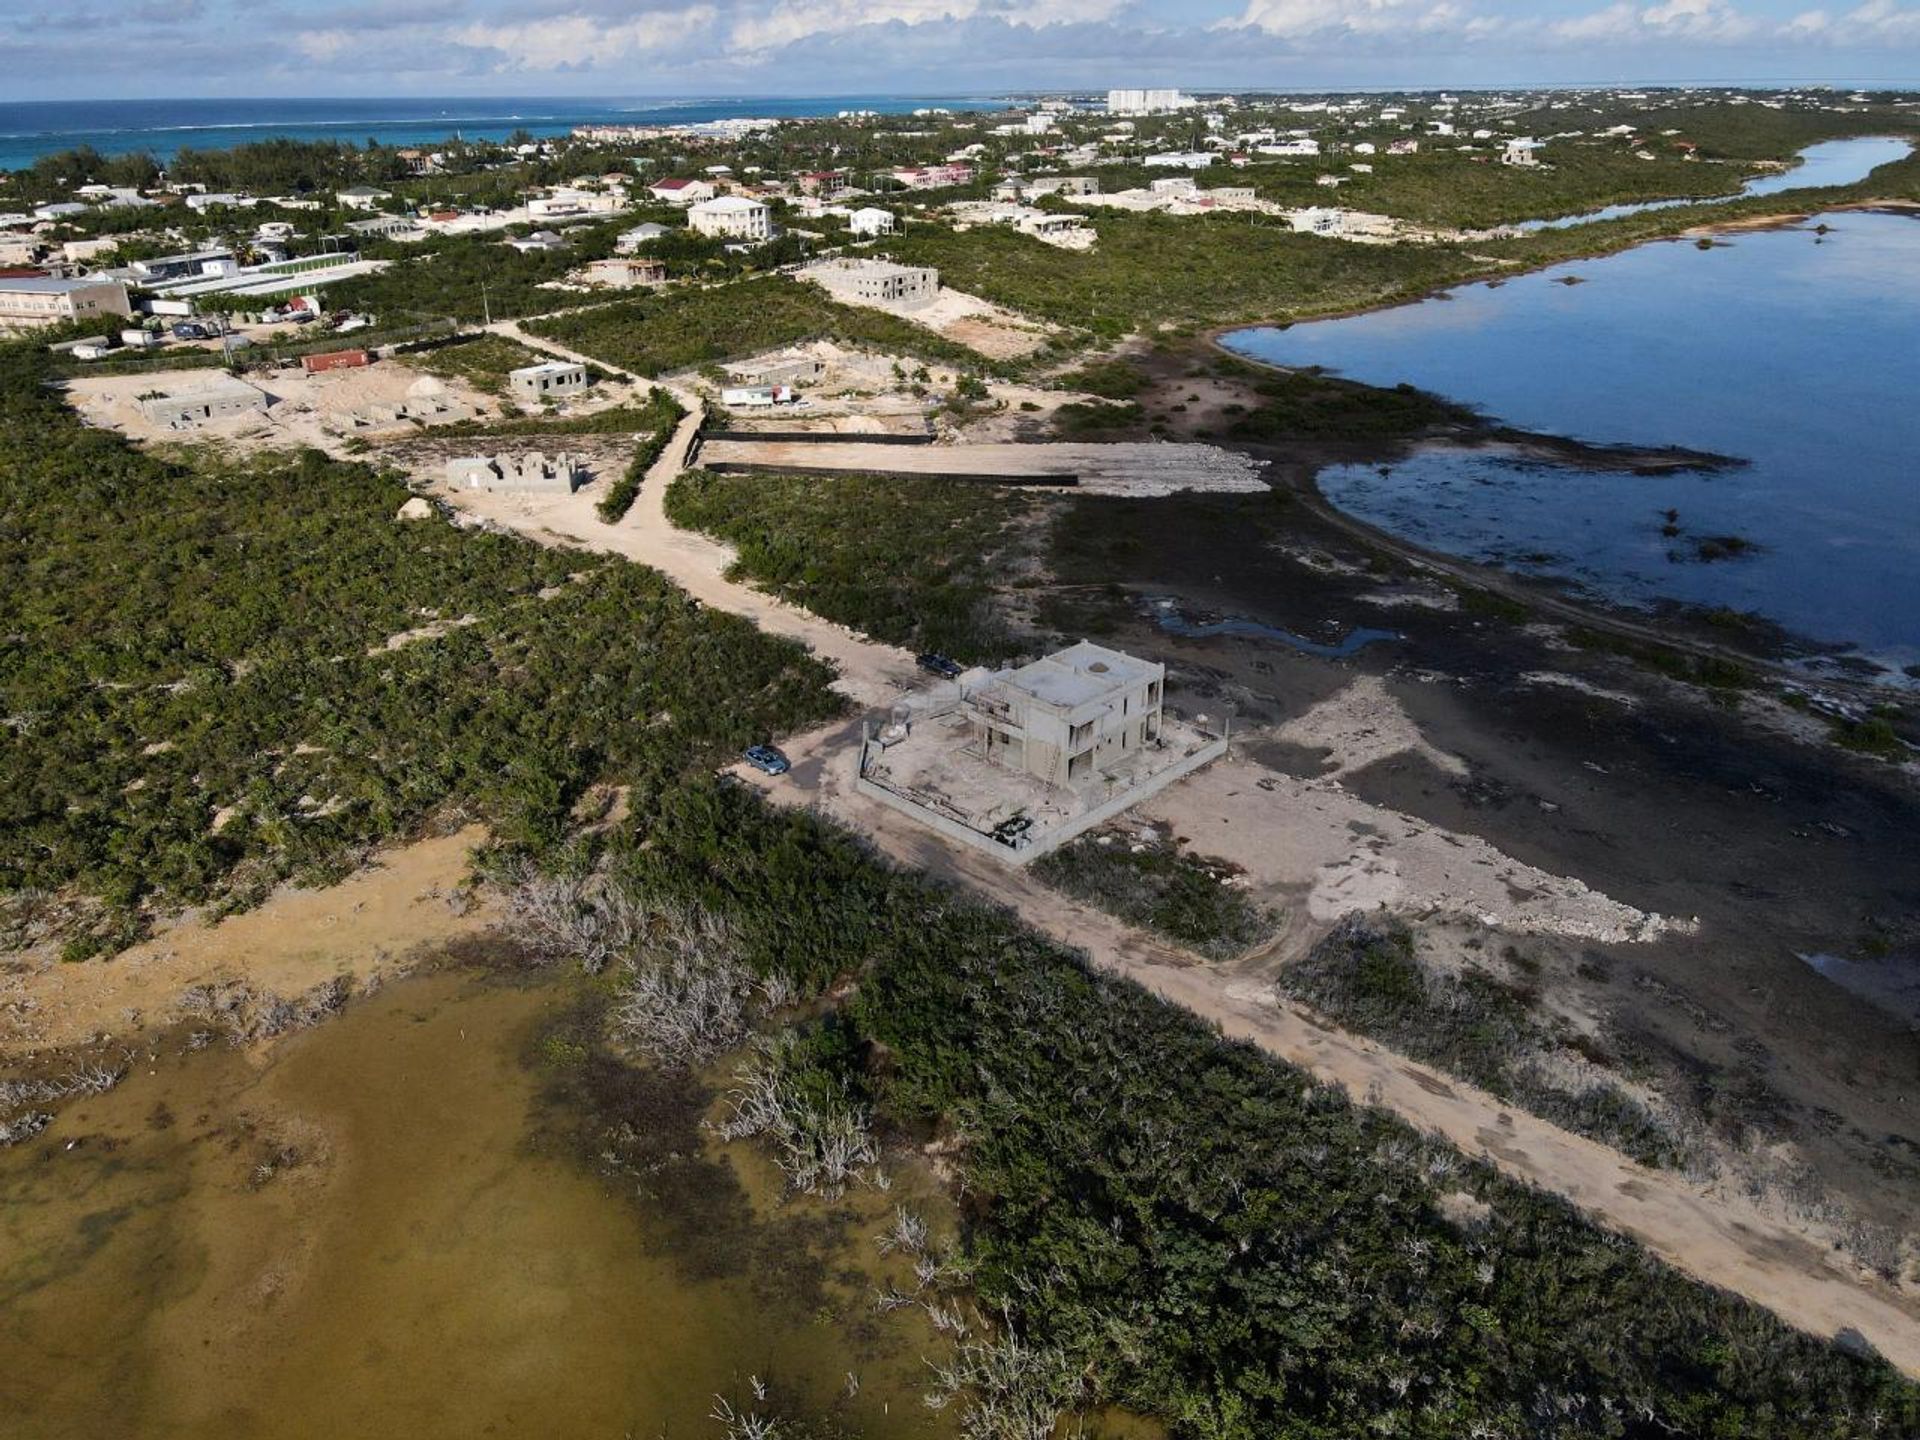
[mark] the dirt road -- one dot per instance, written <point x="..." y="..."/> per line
<point x="1719" y="1239"/>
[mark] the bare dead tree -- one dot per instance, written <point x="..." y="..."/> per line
<point x="591" y="921"/>
<point x="907" y="1233"/>
<point x="819" y="1146"/>
<point x="23" y="1127"/>
<point x="743" y="1424"/>
<point x="1011" y="1390"/>
<point x="685" y="998"/>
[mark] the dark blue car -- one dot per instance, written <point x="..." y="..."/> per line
<point x="767" y="760"/>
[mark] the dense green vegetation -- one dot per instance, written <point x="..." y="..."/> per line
<point x="472" y="277"/>
<point x="662" y="414"/>
<point x="1484" y="1027"/>
<point x="1149" y="271"/>
<point x="1307" y="405"/>
<point x="190" y="638"/>
<point x="1109" y="379"/>
<point x="483" y="361"/>
<point x="1156" y="885"/>
<point x="681" y="329"/>
<point x="1192" y="1229"/>
<point x="913" y="562"/>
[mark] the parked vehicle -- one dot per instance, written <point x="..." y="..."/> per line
<point x="941" y="665"/>
<point x="767" y="760"/>
<point x="193" y="330"/>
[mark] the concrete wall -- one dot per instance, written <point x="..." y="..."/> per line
<point x="1052" y="839"/>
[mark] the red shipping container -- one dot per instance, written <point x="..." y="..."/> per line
<point x="334" y="360"/>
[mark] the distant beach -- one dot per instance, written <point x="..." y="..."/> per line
<point x="30" y="129"/>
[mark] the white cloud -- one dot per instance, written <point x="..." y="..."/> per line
<point x="1719" y="22"/>
<point x="790" y="21"/>
<point x="322" y="45"/>
<point x="1298" y="18"/>
<point x="567" y="42"/>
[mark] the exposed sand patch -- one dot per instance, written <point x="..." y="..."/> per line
<point x="315" y="410"/>
<point x="364" y="927"/>
<point x="1361" y="724"/>
<point x="1311" y="838"/>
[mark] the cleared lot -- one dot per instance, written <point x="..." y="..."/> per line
<point x="1141" y="468"/>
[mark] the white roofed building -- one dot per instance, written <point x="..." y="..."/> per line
<point x="733" y="217"/>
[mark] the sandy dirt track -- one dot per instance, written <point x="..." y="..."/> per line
<point x="1719" y="1239"/>
<point x="1716" y="1238"/>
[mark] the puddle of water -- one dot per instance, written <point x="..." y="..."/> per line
<point x="1892" y="984"/>
<point x="408" y="1263"/>
<point x="1170" y="619"/>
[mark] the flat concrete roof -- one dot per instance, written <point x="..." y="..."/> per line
<point x="1080" y="673"/>
<point x="216" y="383"/>
<point x="49" y="285"/>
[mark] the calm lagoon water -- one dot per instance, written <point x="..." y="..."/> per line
<point x="1796" y="352"/>
<point x="1831" y="162"/>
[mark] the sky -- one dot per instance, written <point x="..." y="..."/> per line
<point x="83" y="49"/>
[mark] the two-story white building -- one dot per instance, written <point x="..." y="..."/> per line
<point x="734" y="217"/>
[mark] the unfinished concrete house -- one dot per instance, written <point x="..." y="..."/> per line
<point x="877" y="282"/>
<point x="549" y="380"/>
<point x="1069" y="717"/>
<point x="1016" y="762"/>
<point x="427" y="402"/>
<point x="531" y="473"/>
<point x="219" y="397"/>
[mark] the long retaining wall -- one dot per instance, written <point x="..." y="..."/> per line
<point x="817" y="437"/>
<point x="1053" y="839"/>
<point x="868" y="472"/>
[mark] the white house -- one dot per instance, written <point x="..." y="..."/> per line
<point x="631" y="240"/>
<point x="871" y="220"/>
<point x="733" y="216"/>
<point x="1181" y="159"/>
<point x="681" y="192"/>
<point x="361" y="197"/>
<point x="216" y="199"/>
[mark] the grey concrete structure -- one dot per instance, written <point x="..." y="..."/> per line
<point x="557" y="475"/>
<point x="1070" y="717"/>
<point x="219" y="397"/>
<point x="1017" y="762"/>
<point x="550" y="380"/>
<point x="877" y="282"/>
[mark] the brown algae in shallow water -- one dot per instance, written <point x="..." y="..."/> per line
<point x="351" y="1234"/>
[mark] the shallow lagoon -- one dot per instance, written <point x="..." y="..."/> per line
<point x="366" y="1230"/>
<point x="1795" y="351"/>
<point x="1831" y="162"/>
